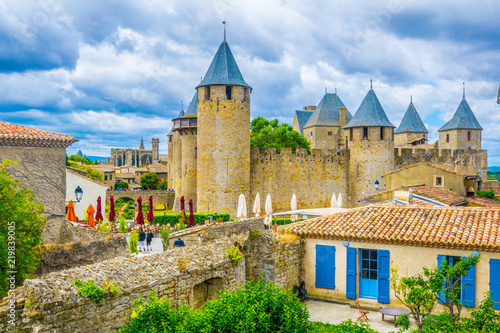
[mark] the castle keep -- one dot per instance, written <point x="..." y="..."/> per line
<point x="210" y="160"/>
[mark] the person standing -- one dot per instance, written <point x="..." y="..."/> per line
<point x="149" y="239"/>
<point x="142" y="237"/>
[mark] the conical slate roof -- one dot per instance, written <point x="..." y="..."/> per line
<point x="192" y="110"/>
<point x="411" y="122"/>
<point x="223" y="69"/>
<point x="462" y="119"/>
<point x="328" y="112"/>
<point x="370" y="113"/>
<point x="181" y="113"/>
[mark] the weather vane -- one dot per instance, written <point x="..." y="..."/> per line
<point x="225" y="23"/>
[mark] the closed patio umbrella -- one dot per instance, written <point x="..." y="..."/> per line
<point x="90" y="216"/>
<point x="191" y="213"/>
<point x="140" y="215"/>
<point x="333" y="202"/>
<point x="150" y="216"/>
<point x="242" y="207"/>
<point x="98" y="214"/>
<point x="293" y="205"/>
<point x="269" y="210"/>
<point x="339" y="201"/>
<point x="256" y="206"/>
<point x="183" y="209"/>
<point x="111" y="216"/>
<point x="71" y="216"/>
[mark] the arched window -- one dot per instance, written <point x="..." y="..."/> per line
<point x="447" y="138"/>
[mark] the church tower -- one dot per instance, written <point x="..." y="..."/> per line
<point x="411" y="131"/>
<point x="155" y="150"/>
<point x="462" y="131"/>
<point x="223" y="135"/>
<point x="371" y="147"/>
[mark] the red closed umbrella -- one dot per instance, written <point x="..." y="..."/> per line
<point x="111" y="215"/>
<point x="191" y="213"/>
<point x="151" y="216"/>
<point x="98" y="215"/>
<point x="183" y="209"/>
<point x="182" y="203"/>
<point x="140" y="215"/>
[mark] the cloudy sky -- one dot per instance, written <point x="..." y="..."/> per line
<point x="110" y="72"/>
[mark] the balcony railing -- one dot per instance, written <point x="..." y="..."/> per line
<point x="185" y="123"/>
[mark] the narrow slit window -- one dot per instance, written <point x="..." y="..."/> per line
<point x="468" y="136"/>
<point x="381" y="133"/>
<point x="350" y="134"/>
<point x="228" y="92"/>
<point x="207" y="93"/>
<point x="447" y="138"/>
<point x="365" y="133"/>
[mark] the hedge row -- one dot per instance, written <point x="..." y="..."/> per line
<point x="199" y="218"/>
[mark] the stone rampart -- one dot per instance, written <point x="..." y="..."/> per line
<point x="189" y="274"/>
<point x="468" y="159"/>
<point x="313" y="178"/>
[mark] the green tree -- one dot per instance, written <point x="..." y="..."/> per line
<point x="487" y="194"/>
<point x="415" y="293"/>
<point x="89" y="171"/>
<point x="150" y="181"/>
<point x="271" y="134"/>
<point x="445" y="282"/>
<point x="81" y="159"/>
<point x="122" y="185"/>
<point x="163" y="185"/>
<point x="21" y="225"/>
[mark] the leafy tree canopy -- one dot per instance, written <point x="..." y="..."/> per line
<point x="150" y="181"/>
<point x="90" y="173"/>
<point x="81" y="159"/>
<point x="21" y="224"/>
<point x="272" y="134"/>
<point x="163" y="185"/>
<point x="122" y="185"/>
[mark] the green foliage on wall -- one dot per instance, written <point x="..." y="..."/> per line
<point x="271" y="134"/>
<point x="21" y="225"/>
<point x="90" y="173"/>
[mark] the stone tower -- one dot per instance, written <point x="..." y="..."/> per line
<point x="324" y="127"/>
<point x="371" y="147"/>
<point x="412" y="130"/>
<point x="176" y="158"/>
<point x="462" y="131"/>
<point x="170" y="160"/>
<point x="223" y="135"/>
<point x="155" y="150"/>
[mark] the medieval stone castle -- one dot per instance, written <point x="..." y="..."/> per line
<point x="210" y="159"/>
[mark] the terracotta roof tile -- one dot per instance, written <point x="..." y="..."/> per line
<point x="18" y="135"/>
<point x="443" y="227"/>
<point x="442" y="167"/>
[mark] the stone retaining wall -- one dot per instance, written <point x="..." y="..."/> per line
<point x="57" y="307"/>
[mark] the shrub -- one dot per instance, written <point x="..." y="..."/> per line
<point x="123" y="226"/>
<point x="199" y="218"/>
<point x="164" y="234"/>
<point x="90" y="290"/>
<point x="233" y="253"/>
<point x="103" y="226"/>
<point x="21" y="224"/>
<point x="163" y="185"/>
<point x="181" y="225"/>
<point x="150" y="181"/>
<point x="347" y="326"/>
<point x="133" y="241"/>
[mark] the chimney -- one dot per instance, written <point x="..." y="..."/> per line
<point x="343" y="117"/>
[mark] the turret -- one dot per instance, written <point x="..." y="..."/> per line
<point x="371" y="146"/>
<point x="324" y="127"/>
<point x="411" y="131"/>
<point x="223" y="134"/>
<point x="462" y="131"/>
<point x="176" y="158"/>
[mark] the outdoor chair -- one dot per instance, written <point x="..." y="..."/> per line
<point x="363" y="313"/>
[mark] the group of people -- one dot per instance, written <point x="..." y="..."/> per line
<point x="145" y="237"/>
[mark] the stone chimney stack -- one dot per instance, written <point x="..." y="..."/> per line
<point x="343" y="117"/>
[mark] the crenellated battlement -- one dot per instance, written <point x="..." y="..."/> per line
<point x="317" y="155"/>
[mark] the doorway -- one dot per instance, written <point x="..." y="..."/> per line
<point x="368" y="263"/>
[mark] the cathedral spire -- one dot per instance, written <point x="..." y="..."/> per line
<point x="142" y="144"/>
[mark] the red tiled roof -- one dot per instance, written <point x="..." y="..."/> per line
<point x="482" y="201"/>
<point x="442" y="167"/>
<point x="443" y="227"/>
<point x="18" y="135"/>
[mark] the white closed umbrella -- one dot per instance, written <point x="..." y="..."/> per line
<point x="269" y="210"/>
<point x="339" y="201"/>
<point x="294" y="207"/>
<point x="242" y="207"/>
<point x="333" y="202"/>
<point x="256" y="205"/>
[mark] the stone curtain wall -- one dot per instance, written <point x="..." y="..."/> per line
<point x="278" y="259"/>
<point x="58" y="307"/>
<point x="43" y="170"/>
<point x="313" y="178"/>
<point x="469" y="160"/>
<point x="235" y="231"/>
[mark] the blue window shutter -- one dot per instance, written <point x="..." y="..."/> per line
<point x="440" y="259"/>
<point x="383" y="276"/>
<point x="469" y="288"/>
<point x="351" y="273"/>
<point x="495" y="282"/>
<point x="325" y="266"/>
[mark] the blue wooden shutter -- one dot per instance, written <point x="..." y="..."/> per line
<point x="469" y="288"/>
<point x="351" y="273"/>
<point x="440" y="259"/>
<point x="383" y="276"/>
<point x="495" y="282"/>
<point x="325" y="266"/>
